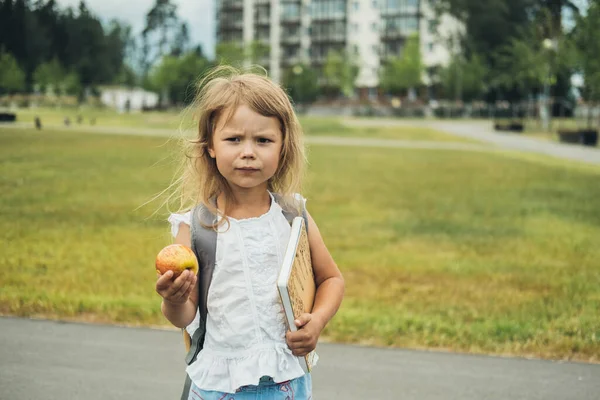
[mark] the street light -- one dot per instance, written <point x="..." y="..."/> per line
<point x="550" y="45"/>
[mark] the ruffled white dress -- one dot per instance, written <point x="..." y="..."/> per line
<point x="245" y="327"/>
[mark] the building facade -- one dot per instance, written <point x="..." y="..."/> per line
<point x="371" y="31"/>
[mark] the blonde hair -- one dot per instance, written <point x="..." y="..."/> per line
<point x="219" y="94"/>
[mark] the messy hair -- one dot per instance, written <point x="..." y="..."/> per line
<point x="219" y="93"/>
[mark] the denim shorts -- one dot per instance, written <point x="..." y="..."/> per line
<point x="267" y="389"/>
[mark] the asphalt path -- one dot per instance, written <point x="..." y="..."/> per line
<point x="483" y="131"/>
<point x="47" y="360"/>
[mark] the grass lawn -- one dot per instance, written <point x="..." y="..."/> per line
<point x="455" y="250"/>
<point x="318" y="126"/>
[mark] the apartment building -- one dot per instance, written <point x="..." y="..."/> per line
<point x="304" y="31"/>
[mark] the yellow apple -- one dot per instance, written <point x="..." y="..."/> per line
<point x="177" y="258"/>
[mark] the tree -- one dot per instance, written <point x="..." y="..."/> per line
<point x="182" y="40"/>
<point x="230" y="53"/>
<point x="175" y="77"/>
<point x="401" y="74"/>
<point x="238" y="55"/>
<point x="12" y="77"/>
<point x="161" y="21"/>
<point x="37" y="32"/>
<point x="301" y="83"/>
<point x="49" y="75"/>
<point x="257" y="52"/>
<point x="339" y="73"/>
<point x="587" y="38"/>
<point x="465" y="78"/>
<point x="492" y="26"/>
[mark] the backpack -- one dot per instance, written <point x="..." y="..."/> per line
<point x="204" y="246"/>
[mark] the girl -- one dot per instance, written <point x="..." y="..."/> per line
<point x="245" y="169"/>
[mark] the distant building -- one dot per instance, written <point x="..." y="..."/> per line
<point x="306" y="30"/>
<point x="128" y="99"/>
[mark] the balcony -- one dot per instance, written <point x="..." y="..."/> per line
<point x="394" y="34"/>
<point x="293" y="39"/>
<point x="333" y="38"/>
<point x="230" y="25"/>
<point x="289" y="61"/>
<point x="232" y="5"/>
<point x="400" y="11"/>
<point x="328" y="17"/>
<point x="290" y="19"/>
<point x="263" y="20"/>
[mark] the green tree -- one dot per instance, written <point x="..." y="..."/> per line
<point x="339" y="73"/>
<point x="175" y="77"/>
<point x="531" y="61"/>
<point x="49" y="75"/>
<point x="12" y="77"/>
<point x="401" y="74"/>
<point x="465" y="78"/>
<point x="301" y="83"/>
<point x="71" y="84"/>
<point x="258" y="52"/>
<point x="587" y="38"/>
<point x="161" y="22"/>
<point x="181" y="41"/>
<point x="237" y="55"/>
<point x="231" y="53"/>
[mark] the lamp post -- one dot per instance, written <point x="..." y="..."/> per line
<point x="297" y="71"/>
<point x="549" y="46"/>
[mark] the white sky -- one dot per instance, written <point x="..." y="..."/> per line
<point x="199" y="15"/>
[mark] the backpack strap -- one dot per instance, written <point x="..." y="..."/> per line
<point x="204" y="245"/>
<point x="291" y="214"/>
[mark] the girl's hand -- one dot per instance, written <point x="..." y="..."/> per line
<point x="176" y="291"/>
<point x="304" y="340"/>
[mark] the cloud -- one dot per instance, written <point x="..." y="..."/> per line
<point x="199" y="15"/>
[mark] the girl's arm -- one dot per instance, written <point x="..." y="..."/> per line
<point x="330" y="291"/>
<point x="180" y="296"/>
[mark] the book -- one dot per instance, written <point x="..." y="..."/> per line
<point x="296" y="283"/>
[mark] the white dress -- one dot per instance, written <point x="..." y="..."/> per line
<point x="245" y="327"/>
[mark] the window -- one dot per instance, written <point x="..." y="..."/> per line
<point x="431" y="46"/>
<point x="356" y="5"/>
<point x="432" y="26"/>
<point x="356" y="50"/>
<point x="374" y="27"/>
<point x="291" y="11"/>
<point x="374" y="3"/>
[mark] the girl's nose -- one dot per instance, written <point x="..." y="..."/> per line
<point x="248" y="150"/>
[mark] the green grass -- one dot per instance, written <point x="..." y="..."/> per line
<point x="103" y="117"/>
<point x="479" y="252"/>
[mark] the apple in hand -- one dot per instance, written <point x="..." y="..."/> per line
<point x="177" y="258"/>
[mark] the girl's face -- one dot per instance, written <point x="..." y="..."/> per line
<point x="247" y="148"/>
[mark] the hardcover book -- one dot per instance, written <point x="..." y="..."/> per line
<point x="296" y="283"/>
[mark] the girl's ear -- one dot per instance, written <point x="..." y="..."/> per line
<point x="211" y="152"/>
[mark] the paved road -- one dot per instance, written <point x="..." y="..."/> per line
<point x="45" y="360"/>
<point x="483" y="131"/>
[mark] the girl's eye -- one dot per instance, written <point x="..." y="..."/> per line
<point x="264" y="140"/>
<point x="233" y="139"/>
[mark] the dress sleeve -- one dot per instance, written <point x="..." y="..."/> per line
<point x="176" y="219"/>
